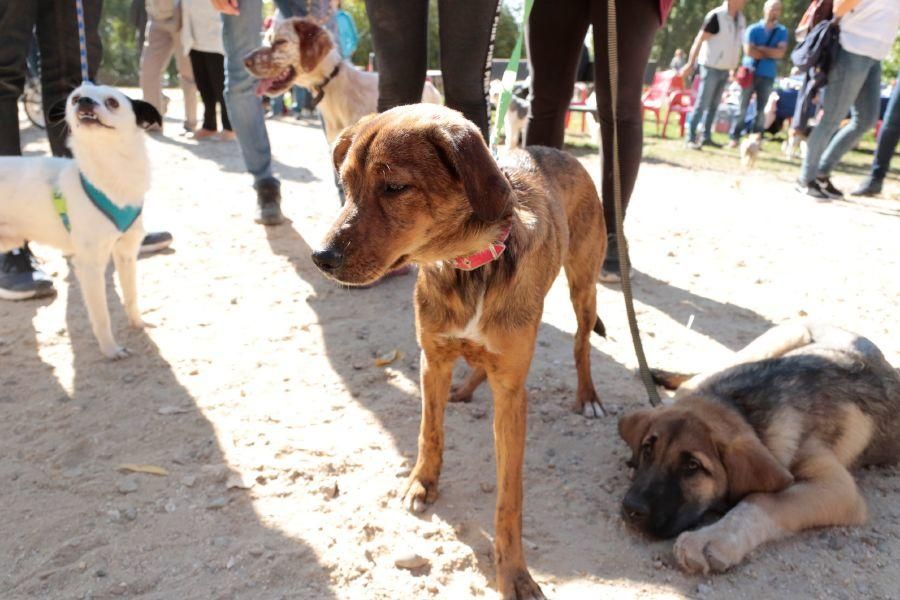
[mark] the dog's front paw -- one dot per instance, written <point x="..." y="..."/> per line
<point x="518" y="585"/>
<point x="589" y="405"/>
<point x="704" y="552"/>
<point x="117" y="353"/>
<point x="419" y="493"/>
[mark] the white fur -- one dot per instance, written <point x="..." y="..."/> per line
<point x="112" y="156"/>
<point x="750" y="148"/>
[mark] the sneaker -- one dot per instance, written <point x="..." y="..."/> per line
<point x="826" y="186"/>
<point x="692" y="145"/>
<point x="21" y="278"/>
<point x="869" y="187"/>
<point x="811" y="189"/>
<point x="268" y="202"/>
<point x="711" y="144"/>
<point x="156" y="241"/>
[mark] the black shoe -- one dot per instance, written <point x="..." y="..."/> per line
<point x="268" y="202"/>
<point x="711" y="144"/>
<point x="869" y="187"/>
<point x="21" y="278"/>
<point x="811" y="189"/>
<point x="156" y="241"/>
<point x="826" y="186"/>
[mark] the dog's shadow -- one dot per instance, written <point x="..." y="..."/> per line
<point x="571" y="461"/>
<point x="64" y="451"/>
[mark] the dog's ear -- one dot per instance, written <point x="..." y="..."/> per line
<point x="632" y="428"/>
<point x="315" y="43"/>
<point x="345" y="139"/>
<point x="751" y="468"/>
<point x="463" y="151"/>
<point x="145" y="114"/>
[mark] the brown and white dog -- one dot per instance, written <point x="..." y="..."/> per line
<point x="489" y="240"/>
<point x="302" y="52"/>
<point x="769" y="439"/>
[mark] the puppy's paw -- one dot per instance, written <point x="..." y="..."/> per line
<point x="704" y="552"/>
<point x="117" y="353"/>
<point x="519" y="585"/>
<point x="589" y="405"/>
<point x="418" y="493"/>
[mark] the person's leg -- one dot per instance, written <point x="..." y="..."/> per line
<point x="57" y="29"/>
<point x="188" y="85"/>
<point x="863" y="116"/>
<point x="17" y="21"/>
<point x="216" y="72"/>
<point x="640" y="18"/>
<point x="704" y="95"/>
<point x="203" y="79"/>
<point x="884" y="150"/>
<point x="737" y="128"/>
<point x="763" y="91"/>
<point x="719" y="79"/>
<point x="399" y="36"/>
<point x="467" y="45"/>
<point x="554" y="38"/>
<point x="155" y="57"/>
<point x="847" y="76"/>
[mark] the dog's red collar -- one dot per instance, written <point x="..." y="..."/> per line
<point x="483" y="257"/>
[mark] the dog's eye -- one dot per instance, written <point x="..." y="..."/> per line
<point x="394" y="188"/>
<point x="647" y="449"/>
<point x="75" y="99"/>
<point x="112" y="103"/>
<point x="277" y="43"/>
<point x="692" y="465"/>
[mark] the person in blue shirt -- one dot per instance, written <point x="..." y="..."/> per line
<point x="764" y="44"/>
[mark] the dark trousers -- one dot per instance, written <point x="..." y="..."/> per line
<point x="888" y="136"/>
<point x="400" y="35"/>
<point x="555" y="38"/>
<point x="57" y="34"/>
<point x="209" y="74"/>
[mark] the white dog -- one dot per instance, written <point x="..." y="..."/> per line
<point x="88" y="207"/>
<point x="750" y="148"/>
<point x="516" y="119"/>
<point x="302" y="52"/>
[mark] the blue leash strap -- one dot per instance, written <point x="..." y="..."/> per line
<point x="82" y="40"/>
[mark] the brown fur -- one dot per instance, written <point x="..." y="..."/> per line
<point x="781" y="457"/>
<point x="455" y="202"/>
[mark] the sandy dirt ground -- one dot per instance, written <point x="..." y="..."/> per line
<point x="284" y="445"/>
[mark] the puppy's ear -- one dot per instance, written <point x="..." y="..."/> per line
<point x="315" y="43"/>
<point x="751" y="468"/>
<point x="345" y="139"/>
<point x="463" y="151"/>
<point x="632" y="428"/>
<point x="145" y="114"/>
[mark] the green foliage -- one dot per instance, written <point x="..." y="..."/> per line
<point x="120" y="52"/>
<point x="891" y="65"/>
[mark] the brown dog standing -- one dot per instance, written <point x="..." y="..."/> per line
<point x="423" y="188"/>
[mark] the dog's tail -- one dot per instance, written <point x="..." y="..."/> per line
<point x="599" y="327"/>
<point x="669" y="379"/>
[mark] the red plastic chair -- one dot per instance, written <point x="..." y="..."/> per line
<point x="656" y="97"/>
<point x="680" y="102"/>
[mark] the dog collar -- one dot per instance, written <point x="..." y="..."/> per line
<point x="483" y="257"/>
<point x="320" y="88"/>
<point x="122" y="217"/>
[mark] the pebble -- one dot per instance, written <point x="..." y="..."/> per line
<point x="130" y="513"/>
<point x="704" y="589"/>
<point x="486" y="487"/>
<point x="256" y="551"/>
<point x="189" y="480"/>
<point x="127" y="485"/>
<point x="410" y="561"/>
<point x="217" y="503"/>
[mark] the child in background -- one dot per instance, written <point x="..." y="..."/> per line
<point x="201" y="37"/>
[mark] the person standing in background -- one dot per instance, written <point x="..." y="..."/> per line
<point x="555" y="40"/>
<point x="201" y="38"/>
<point x="717" y="49"/>
<point x="162" y="42"/>
<point x="884" y="150"/>
<point x="868" y="29"/>
<point x="678" y="60"/>
<point x="765" y="43"/>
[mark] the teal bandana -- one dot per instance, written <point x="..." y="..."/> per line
<point x="122" y="218"/>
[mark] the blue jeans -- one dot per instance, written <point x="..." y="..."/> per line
<point x="888" y="136"/>
<point x="241" y="34"/>
<point x="762" y="86"/>
<point x="712" y="84"/>
<point x="854" y="85"/>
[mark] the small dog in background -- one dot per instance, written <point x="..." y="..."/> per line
<point x="302" y="52"/>
<point x="90" y="206"/>
<point x="795" y="145"/>
<point x="516" y="118"/>
<point x="750" y="148"/>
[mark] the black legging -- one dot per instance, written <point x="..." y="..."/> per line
<point x="555" y="38"/>
<point x="400" y="36"/>
<point x="209" y="73"/>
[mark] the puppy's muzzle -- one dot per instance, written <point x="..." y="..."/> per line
<point x="635" y="509"/>
<point x="328" y="260"/>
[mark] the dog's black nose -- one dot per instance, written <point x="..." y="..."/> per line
<point x="328" y="259"/>
<point x="635" y="508"/>
<point x="85" y="103"/>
